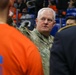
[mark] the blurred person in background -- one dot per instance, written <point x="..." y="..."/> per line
<point x="38" y="5"/>
<point x="70" y="20"/>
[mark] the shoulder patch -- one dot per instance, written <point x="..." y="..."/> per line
<point x="66" y="27"/>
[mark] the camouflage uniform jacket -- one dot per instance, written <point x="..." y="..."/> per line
<point x="44" y="44"/>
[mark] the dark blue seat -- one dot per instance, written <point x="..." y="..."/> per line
<point x="71" y="12"/>
<point x="55" y="29"/>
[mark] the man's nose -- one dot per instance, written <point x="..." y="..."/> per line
<point x="46" y="21"/>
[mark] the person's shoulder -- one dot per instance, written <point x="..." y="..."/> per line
<point x="66" y="27"/>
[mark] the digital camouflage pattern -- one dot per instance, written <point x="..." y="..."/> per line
<point x="44" y="45"/>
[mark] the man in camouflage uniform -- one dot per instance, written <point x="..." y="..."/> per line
<point x="41" y="35"/>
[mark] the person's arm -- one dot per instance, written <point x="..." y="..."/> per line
<point x="58" y="64"/>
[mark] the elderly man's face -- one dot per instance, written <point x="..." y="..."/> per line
<point x="45" y="22"/>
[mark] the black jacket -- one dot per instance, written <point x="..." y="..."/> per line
<point x="63" y="52"/>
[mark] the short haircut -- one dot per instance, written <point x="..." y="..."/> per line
<point x="39" y="12"/>
<point x="3" y="4"/>
<point x="71" y="17"/>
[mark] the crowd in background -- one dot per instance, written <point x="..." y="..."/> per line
<point x="25" y="11"/>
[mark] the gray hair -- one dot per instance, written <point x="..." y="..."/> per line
<point x="39" y="12"/>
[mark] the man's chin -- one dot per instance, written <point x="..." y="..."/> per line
<point x="46" y="30"/>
